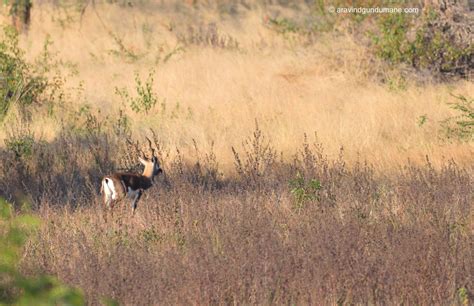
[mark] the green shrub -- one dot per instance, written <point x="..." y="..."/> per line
<point x="304" y="190"/>
<point x="145" y="99"/>
<point x="20" y="11"/>
<point x="391" y="44"/>
<point x="21" y="146"/>
<point x="461" y="126"/>
<point x="19" y="83"/>
<point x="16" y="289"/>
<point x="429" y="42"/>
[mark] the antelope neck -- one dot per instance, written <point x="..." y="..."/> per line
<point x="148" y="171"/>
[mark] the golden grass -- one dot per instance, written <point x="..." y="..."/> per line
<point x="214" y="95"/>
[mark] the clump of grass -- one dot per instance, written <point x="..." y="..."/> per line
<point x="258" y="155"/>
<point x="284" y="25"/>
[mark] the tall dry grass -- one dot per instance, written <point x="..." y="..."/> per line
<point x="312" y="230"/>
<point x="213" y="94"/>
<point x="200" y="238"/>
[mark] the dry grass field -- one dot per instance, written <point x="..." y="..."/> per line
<point x="298" y="169"/>
<point x="214" y="94"/>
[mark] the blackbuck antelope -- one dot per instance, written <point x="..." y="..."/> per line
<point x="118" y="186"/>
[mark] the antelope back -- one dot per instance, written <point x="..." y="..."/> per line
<point x="131" y="181"/>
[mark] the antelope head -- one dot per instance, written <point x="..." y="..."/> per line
<point x="152" y="165"/>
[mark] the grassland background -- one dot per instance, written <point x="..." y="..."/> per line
<point x="214" y="95"/>
<point x="391" y="221"/>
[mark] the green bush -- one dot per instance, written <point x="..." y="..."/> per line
<point x="21" y="146"/>
<point x="145" y="99"/>
<point x="19" y="83"/>
<point x="16" y="289"/>
<point x="391" y="44"/>
<point x="304" y="190"/>
<point x="20" y="8"/>
<point x="20" y="11"/>
<point x="427" y="42"/>
<point x="461" y="126"/>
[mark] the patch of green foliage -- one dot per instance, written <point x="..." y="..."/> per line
<point x="422" y="120"/>
<point x="424" y="44"/>
<point x="463" y="296"/>
<point x="16" y="289"/>
<point x="461" y="126"/>
<point x="391" y="44"/>
<point x="20" y="8"/>
<point x="322" y="19"/>
<point x="20" y="84"/>
<point x="87" y="121"/>
<point x="309" y="24"/>
<point x="145" y="98"/>
<point x="284" y="25"/>
<point x="21" y="146"/>
<point x="304" y="190"/>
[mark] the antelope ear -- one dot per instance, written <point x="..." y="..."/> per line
<point x="144" y="162"/>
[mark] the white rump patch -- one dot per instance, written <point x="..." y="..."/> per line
<point x="109" y="188"/>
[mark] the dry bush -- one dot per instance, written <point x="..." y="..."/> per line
<point x="208" y="35"/>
